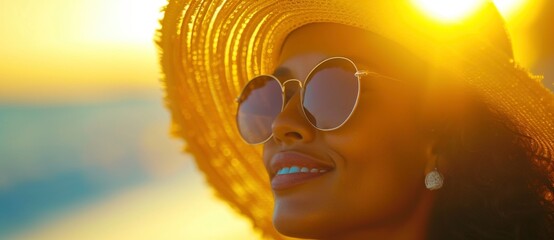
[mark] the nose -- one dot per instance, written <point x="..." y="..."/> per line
<point x="291" y="126"/>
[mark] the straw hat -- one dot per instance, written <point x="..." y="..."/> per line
<point x="209" y="49"/>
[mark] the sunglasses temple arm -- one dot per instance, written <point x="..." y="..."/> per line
<point x="362" y="73"/>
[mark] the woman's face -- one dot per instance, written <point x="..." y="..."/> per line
<point x="376" y="162"/>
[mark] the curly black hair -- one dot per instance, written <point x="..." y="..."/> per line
<point x="498" y="181"/>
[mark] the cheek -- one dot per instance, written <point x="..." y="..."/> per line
<point x="383" y="163"/>
<point x="269" y="149"/>
<point x="383" y="135"/>
<point x="378" y="182"/>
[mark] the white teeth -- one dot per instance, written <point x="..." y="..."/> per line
<point x="297" y="169"/>
<point x="294" y="169"/>
<point x="283" y="171"/>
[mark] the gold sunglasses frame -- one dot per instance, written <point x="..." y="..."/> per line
<point x="358" y="74"/>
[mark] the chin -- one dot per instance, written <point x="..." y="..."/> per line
<point x="297" y="229"/>
<point x="313" y="226"/>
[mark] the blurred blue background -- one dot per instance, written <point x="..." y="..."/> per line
<point x="103" y="170"/>
<point x="59" y="156"/>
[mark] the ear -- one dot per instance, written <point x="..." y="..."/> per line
<point x="431" y="159"/>
<point x="434" y="160"/>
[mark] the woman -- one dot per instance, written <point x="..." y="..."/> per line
<point x="376" y="121"/>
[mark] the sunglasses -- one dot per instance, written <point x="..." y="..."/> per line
<point x="329" y="95"/>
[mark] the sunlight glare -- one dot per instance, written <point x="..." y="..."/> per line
<point x="77" y="49"/>
<point x="124" y="21"/>
<point x="508" y="7"/>
<point x="448" y="10"/>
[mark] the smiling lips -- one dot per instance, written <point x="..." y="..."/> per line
<point x="289" y="169"/>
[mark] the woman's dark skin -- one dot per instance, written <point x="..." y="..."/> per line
<point x="381" y="155"/>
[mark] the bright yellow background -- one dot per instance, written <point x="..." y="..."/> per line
<point x="67" y="49"/>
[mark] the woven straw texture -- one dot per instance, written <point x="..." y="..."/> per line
<point x="209" y="49"/>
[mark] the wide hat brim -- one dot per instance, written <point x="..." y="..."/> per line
<point x="209" y="49"/>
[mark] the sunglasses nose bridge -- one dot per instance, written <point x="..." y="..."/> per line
<point x="291" y="81"/>
<point x="290" y="126"/>
<point x="289" y="89"/>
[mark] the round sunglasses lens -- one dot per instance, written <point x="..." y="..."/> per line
<point x="331" y="93"/>
<point x="259" y="104"/>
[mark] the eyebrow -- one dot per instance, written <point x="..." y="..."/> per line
<point x="282" y="72"/>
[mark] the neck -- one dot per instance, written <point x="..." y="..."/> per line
<point x="412" y="226"/>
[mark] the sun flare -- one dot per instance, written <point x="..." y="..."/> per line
<point x="509" y="7"/>
<point x="448" y="10"/>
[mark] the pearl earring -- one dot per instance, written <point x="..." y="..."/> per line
<point x="434" y="180"/>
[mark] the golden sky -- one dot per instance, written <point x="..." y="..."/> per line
<point x="68" y="49"/>
<point x="60" y="50"/>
